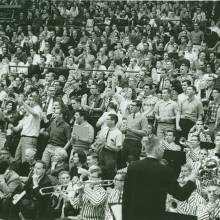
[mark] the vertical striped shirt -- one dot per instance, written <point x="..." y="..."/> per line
<point x="92" y="203"/>
<point x="210" y="211"/>
<point x="115" y="197"/>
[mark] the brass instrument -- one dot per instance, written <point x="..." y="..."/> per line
<point x="209" y="172"/>
<point x="49" y="190"/>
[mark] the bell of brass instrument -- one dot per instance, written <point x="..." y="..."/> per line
<point x="209" y="172"/>
<point x="49" y="190"/>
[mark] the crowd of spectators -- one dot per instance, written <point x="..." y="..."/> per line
<point x="83" y="84"/>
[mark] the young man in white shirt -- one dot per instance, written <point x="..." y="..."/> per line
<point x="29" y="126"/>
<point x="112" y="137"/>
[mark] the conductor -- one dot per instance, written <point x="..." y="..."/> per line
<point x="147" y="183"/>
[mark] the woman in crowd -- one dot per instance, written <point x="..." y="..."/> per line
<point x="77" y="163"/>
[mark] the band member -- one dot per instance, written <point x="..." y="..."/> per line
<point x="192" y="204"/>
<point x="115" y="198"/>
<point x="60" y="200"/>
<point x="33" y="203"/>
<point x="211" y="210"/>
<point x="91" y="198"/>
<point x="147" y="183"/>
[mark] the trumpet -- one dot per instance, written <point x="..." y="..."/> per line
<point x="49" y="190"/>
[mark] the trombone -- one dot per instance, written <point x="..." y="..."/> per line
<point x="49" y="190"/>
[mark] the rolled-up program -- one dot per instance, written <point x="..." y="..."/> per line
<point x="18" y="198"/>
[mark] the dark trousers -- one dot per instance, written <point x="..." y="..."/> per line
<point x="108" y="163"/>
<point x="186" y="125"/>
<point x="131" y="151"/>
<point x="6" y="208"/>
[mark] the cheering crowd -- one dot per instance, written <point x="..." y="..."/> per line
<point x="85" y="84"/>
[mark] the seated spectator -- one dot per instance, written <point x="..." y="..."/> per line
<point x="169" y="142"/>
<point x="9" y="184"/>
<point x="59" y="162"/>
<point x="77" y="164"/>
<point x="201" y="131"/>
<point x="33" y="204"/>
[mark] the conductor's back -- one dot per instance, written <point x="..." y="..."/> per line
<point x="146" y="186"/>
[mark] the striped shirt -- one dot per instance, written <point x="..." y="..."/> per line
<point x="170" y="146"/>
<point x="189" y="206"/>
<point x="210" y="211"/>
<point x="212" y="112"/>
<point x="92" y="203"/>
<point x="115" y="197"/>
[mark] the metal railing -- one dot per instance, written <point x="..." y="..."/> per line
<point x="80" y="69"/>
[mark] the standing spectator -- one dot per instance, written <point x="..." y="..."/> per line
<point x="29" y="126"/>
<point x="135" y="129"/>
<point x="165" y="113"/>
<point x="213" y="108"/>
<point x="112" y="137"/>
<point x="197" y="36"/>
<point x="78" y="142"/>
<point x="59" y="135"/>
<point x="189" y="111"/>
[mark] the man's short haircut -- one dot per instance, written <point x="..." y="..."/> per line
<point x="77" y="99"/>
<point x="93" y="155"/>
<point x="170" y="131"/>
<point x="149" y="85"/>
<point x="167" y="89"/>
<point x="43" y="163"/>
<point x="197" y="136"/>
<point x="45" y="59"/>
<point x="138" y="103"/>
<point x="188" y="82"/>
<point x="114" y="117"/>
<point x="82" y="113"/>
<point x="187" y="166"/>
<point x="152" y="143"/>
<point x="194" y="88"/>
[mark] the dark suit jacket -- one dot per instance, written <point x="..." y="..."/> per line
<point x="204" y="96"/>
<point x="34" y="194"/>
<point x="146" y="186"/>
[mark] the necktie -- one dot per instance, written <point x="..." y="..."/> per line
<point x="47" y="104"/>
<point x="134" y="116"/>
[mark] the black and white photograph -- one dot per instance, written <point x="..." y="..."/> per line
<point x="109" y="110"/>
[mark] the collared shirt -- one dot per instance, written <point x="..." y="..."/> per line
<point x="31" y="124"/>
<point x="59" y="133"/>
<point x="93" y="203"/>
<point x="170" y="146"/>
<point x="191" y="109"/>
<point x="212" y="111"/>
<point x="85" y="127"/>
<point x="136" y="121"/>
<point x="148" y="105"/>
<point x="113" y="137"/>
<point x="166" y="109"/>
<point x="197" y="37"/>
<point x="181" y="97"/>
